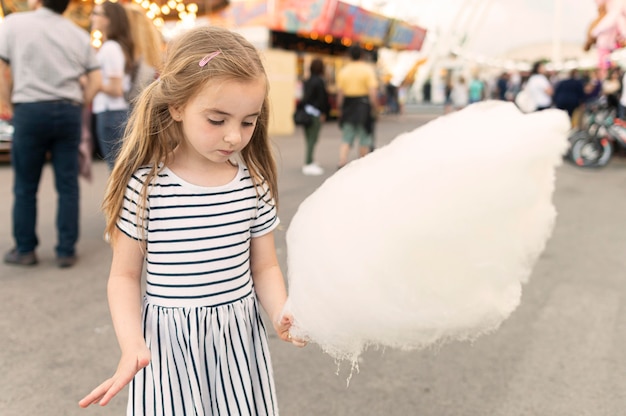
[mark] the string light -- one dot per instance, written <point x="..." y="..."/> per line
<point x="96" y="38"/>
<point x="154" y="11"/>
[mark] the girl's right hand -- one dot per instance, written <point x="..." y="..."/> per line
<point x="129" y="365"/>
<point x="282" y="326"/>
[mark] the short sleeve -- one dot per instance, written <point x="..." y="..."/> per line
<point x="5" y="39"/>
<point x="112" y="60"/>
<point x="266" y="214"/>
<point x="129" y="222"/>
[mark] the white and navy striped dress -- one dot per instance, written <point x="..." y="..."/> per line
<point x="201" y="318"/>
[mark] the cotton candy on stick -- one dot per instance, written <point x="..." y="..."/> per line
<point x="429" y="238"/>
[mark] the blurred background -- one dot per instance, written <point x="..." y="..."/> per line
<point x="417" y="46"/>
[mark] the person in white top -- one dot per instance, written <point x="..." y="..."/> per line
<point x="116" y="60"/>
<point x="539" y="87"/>
<point x="460" y="94"/>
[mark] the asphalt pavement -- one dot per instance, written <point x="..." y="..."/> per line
<point x="561" y="353"/>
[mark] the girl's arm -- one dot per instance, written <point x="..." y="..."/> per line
<point x="124" y="293"/>
<point x="269" y="285"/>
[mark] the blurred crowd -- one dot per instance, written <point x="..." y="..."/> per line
<point x="570" y="90"/>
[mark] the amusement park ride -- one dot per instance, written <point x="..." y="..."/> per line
<point x="608" y="30"/>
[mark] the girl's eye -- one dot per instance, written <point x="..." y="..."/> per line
<point x="216" y="122"/>
<point x="248" y="124"/>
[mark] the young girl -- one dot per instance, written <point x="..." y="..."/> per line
<point x="193" y="195"/>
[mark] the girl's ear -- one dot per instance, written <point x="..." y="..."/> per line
<point x="174" y="112"/>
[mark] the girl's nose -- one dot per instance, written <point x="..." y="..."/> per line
<point x="233" y="137"/>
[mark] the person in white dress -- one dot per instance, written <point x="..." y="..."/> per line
<point x="193" y="197"/>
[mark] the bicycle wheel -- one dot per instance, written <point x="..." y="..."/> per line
<point x="590" y="152"/>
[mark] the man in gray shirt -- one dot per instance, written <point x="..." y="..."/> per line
<point x="49" y="71"/>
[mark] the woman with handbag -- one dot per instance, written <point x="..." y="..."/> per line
<point x="315" y="103"/>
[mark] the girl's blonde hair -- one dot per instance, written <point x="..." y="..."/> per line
<point x="151" y="134"/>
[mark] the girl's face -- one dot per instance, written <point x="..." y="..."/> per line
<point x="219" y="121"/>
<point x="99" y="20"/>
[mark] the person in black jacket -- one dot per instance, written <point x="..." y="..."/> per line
<point x="315" y="101"/>
<point x="569" y="93"/>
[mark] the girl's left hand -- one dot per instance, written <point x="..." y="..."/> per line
<point x="282" y="326"/>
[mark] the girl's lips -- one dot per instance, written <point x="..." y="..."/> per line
<point x="226" y="152"/>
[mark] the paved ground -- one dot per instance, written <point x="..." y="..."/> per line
<point x="560" y="354"/>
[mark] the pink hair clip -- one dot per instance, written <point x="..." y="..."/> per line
<point x="207" y="58"/>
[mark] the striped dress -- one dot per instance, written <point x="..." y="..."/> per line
<point x="201" y="318"/>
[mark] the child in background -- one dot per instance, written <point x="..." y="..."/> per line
<point x="193" y="196"/>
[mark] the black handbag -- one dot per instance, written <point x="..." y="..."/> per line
<point x="302" y="118"/>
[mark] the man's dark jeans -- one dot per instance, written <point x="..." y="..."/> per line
<point x="51" y="127"/>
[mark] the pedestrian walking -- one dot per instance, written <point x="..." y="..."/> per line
<point x="539" y="87"/>
<point x="194" y="197"/>
<point x="460" y="94"/>
<point x="569" y="93"/>
<point x="502" y="86"/>
<point x="476" y="90"/>
<point x="621" y="106"/>
<point x="612" y="88"/>
<point x="316" y="104"/>
<point x="357" y="99"/>
<point x="52" y="72"/>
<point x="116" y="57"/>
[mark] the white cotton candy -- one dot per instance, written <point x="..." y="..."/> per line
<point x="429" y="238"/>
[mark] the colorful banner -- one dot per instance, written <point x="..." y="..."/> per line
<point x="405" y="36"/>
<point x="242" y="13"/>
<point x="302" y="16"/>
<point x="322" y="17"/>
<point x="358" y="24"/>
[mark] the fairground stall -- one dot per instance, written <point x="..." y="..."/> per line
<point x="289" y="33"/>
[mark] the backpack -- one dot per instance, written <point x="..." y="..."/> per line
<point x="141" y="76"/>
